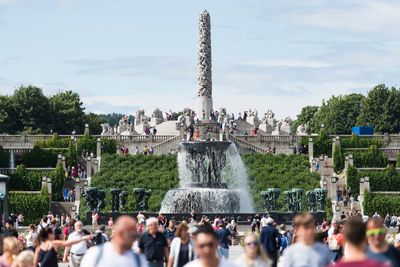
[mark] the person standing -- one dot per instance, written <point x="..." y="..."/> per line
<point x="118" y="252"/>
<point x="224" y="237"/>
<point x="153" y="244"/>
<point x="31" y="237"/>
<point x="378" y="248"/>
<point x="78" y="249"/>
<point x="354" y="232"/>
<point x="254" y="255"/>
<point x="270" y="240"/>
<point x="169" y="233"/>
<point x="306" y="252"/>
<point x="181" y="247"/>
<point x="10" y="230"/>
<point x="206" y="246"/>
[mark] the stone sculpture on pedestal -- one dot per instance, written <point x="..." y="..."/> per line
<point x="115" y="199"/>
<point x="311" y="201"/>
<point x="106" y="129"/>
<point x="123" y="198"/>
<point x="320" y="195"/>
<point x="101" y="195"/>
<point x="141" y="198"/>
<point x="91" y="198"/>
<point x="270" y="198"/>
<point x="297" y="194"/>
<point x="289" y="200"/>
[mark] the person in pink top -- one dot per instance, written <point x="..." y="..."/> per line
<point x="354" y="250"/>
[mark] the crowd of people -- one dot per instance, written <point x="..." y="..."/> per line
<point x="159" y="242"/>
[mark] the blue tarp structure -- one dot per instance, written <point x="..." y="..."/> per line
<point x="363" y="130"/>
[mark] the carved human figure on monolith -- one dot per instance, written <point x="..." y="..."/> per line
<point x="320" y="195"/>
<point x="139" y="194"/>
<point x="145" y="204"/>
<point x="311" y="201"/>
<point x="289" y="200"/>
<point x="297" y="194"/>
<point x="115" y="199"/>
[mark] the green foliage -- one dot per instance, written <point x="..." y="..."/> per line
<point x="8" y="115"/>
<point x="280" y="171"/>
<point x="32" y="204"/>
<point x="31" y="180"/>
<point x="157" y="173"/>
<point x="398" y="161"/>
<point x="39" y="158"/>
<point x="338" y="114"/>
<point x="86" y="144"/>
<point x="54" y="142"/>
<point x="4" y="158"/>
<point x="381" y="109"/>
<point x="372" y="158"/>
<point x="94" y="122"/>
<point x="359" y="142"/>
<point x="387" y="180"/>
<point x="338" y="159"/>
<point x="113" y="118"/>
<point x="108" y="146"/>
<point x="322" y="144"/>
<point x="381" y="203"/>
<point x="32" y="108"/>
<point x="305" y="117"/>
<point x="67" y="112"/>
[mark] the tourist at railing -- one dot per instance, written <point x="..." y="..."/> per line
<point x="254" y="255"/>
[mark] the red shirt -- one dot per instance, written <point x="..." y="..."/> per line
<point x="364" y="263"/>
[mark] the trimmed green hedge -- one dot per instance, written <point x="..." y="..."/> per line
<point x="158" y="173"/>
<point x="359" y="142"/>
<point x="54" y="142"/>
<point x="31" y="180"/>
<point x="372" y="158"/>
<point x="33" y="205"/>
<point x="4" y="158"/>
<point x="338" y="159"/>
<point x="387" y="180"/>
<point x="39" y="158"/>
<point x="381" y="203"/>
<point x="280" y="171"/>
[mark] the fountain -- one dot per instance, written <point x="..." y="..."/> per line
<point x="212" y="180"/>
<point x="212" y="175"/>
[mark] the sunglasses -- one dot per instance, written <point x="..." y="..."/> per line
<point x="378" y="231"/>
<point x="210" y="245"/>
<point x="253" y="244"/>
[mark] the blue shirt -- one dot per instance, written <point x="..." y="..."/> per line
<point x="270" y="239"/>
<point x="391" y="256"/>
<point x="223" y="235"/>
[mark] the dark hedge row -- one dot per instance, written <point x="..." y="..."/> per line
<point x="387" y="180"/>
<point x="381" y="203"/>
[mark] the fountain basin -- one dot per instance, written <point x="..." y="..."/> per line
<point x="202" y="200"/>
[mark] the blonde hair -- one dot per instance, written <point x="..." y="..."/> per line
<point x="11" y="245"/>
<point x="260" y="251"/>
<point x="24" y="259"/>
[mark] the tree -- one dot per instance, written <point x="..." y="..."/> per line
<point x="67" y="112"/>
<point x="94" y="122"/>
<point x="306" y="117"/>
<point x="32" y="109"/>
<point x="338" y="114"/>
<point x="381" y="109"/>
<point x="8" y="121"/>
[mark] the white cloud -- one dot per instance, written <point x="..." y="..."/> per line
<point x="289" y="63"/>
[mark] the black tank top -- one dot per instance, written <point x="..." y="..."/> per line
<point x="48" y="258"/>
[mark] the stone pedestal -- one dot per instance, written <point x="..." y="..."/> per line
<point x="310" y="148"/>
<point x="64" y="164"/>
<point x="87" y="129"/>
<point x="59" y="159"/>
<point x="351" y="161"/>
<point x="89" y="167"/>
<point x="204" y="104"/>
<point x="77" y="190"/>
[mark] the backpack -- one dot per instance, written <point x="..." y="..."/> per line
<point x="99" y="239"/>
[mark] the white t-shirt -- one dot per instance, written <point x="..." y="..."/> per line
<point x="110" y="258"/>
<point x="222" y="263"/>
<point x="79" y="248"/>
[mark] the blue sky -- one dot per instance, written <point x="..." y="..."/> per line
<point x="123" y="55"/>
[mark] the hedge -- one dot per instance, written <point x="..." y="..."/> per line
<point x="4" y="158"/>
<point x="373" y="158"/>
<point x="387" y="180"/>
<point x="359" y="142"/>
<point x="39" y="158"/>
<point x="157" y="173"/>
<point x="31" y="180"/>
<point x="380" y="203"/>
<point x="322" y="144"/>
<point x="278" y="171"/>
<point x="54" y="142"/>
<point x="338" y="158"/>
<point x="33" y="205"/>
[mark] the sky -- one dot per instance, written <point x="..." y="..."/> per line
<point x="125" y="55"/>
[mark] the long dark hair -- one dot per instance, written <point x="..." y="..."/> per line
<point x="43" y="235"/>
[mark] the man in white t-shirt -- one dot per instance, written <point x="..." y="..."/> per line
<point x="76" y="251"/>
<point x="118" y="252"/>
<point x="206" y="246"/>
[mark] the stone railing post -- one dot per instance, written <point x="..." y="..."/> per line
<point x="59" y="160"/>
<point x="95" y="166"/>
<point x="64" y="163"/>
<point x="386" y="139"/>
<point x="98" y="148"/>
<point x="86" y="129"/>
<point x="346" y="162"/>
<point x="89" y="166"/>
<point x="310" y="148"/>
<point x="77" y="189"/>
<point x="351" y="161"/>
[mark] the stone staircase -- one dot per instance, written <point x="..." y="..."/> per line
<point x="244" y="144"/>
<point x="167" y="146"/>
